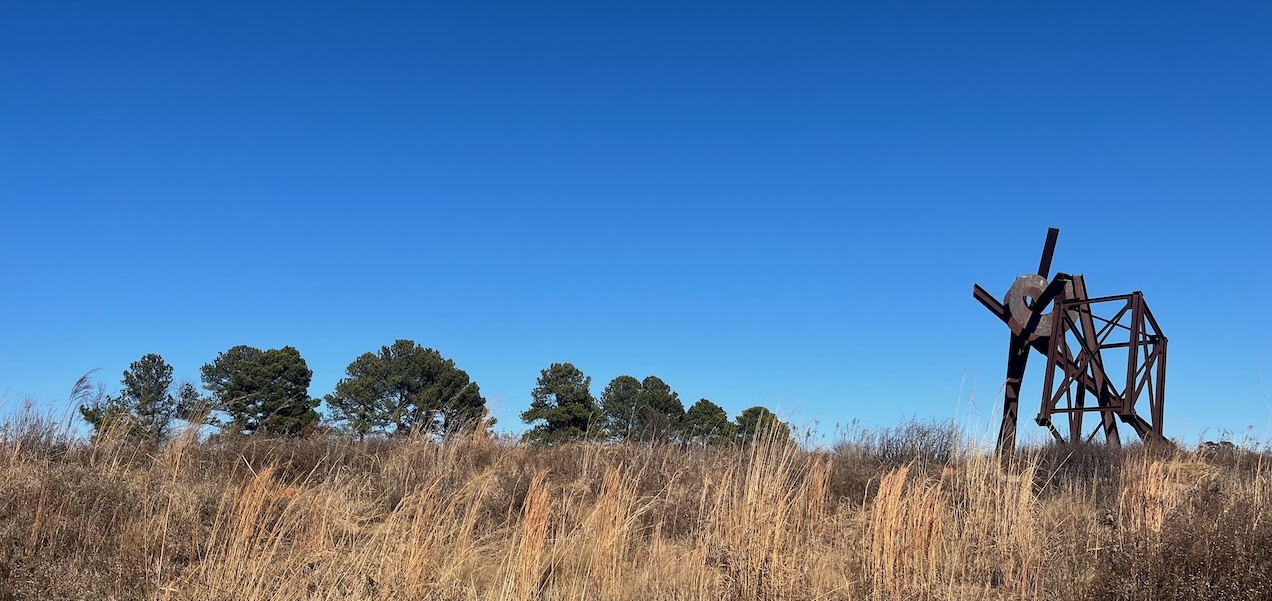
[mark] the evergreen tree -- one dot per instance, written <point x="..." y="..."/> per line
<point x="563" y="402"/>
<point x="659" y="411"/>
<point x="759" y="422"/>
<point x="707" y="423"/>
<point x="261" y="391"/>
<point x="145" y="406"/>
<point x="406" y="387"/>
<point x="645" y="410"/>
<point x="618" y="403"/>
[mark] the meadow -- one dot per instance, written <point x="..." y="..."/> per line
<point x="912" y="512"/>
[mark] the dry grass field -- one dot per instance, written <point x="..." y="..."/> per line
<point x="905" y="514"/>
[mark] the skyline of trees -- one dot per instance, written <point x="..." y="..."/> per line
<point x="630" y="410"/>
<point x="402" y="388"/>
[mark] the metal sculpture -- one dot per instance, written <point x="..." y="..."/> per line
<point x="1083" y="340"/>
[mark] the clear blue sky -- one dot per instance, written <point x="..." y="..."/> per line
<point x="782" y="204"/>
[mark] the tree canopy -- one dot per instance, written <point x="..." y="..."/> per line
<point x="619" y="405"/>
<point x="659" y="410"/>
<point x="562" y="401"/>
<point x="759" y="422"/>
<point x="707" y="423"/>
<point x="145" y="407"/>
<point x="403" y="388"/>
<point x="646" y="409"/>
<point x="406" y="387"/>
<point x="261" y="391"/>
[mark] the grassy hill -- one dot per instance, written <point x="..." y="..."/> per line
<point x="891" y="517"/>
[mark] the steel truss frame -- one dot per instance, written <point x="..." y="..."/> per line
<point x="1074" y="338"/>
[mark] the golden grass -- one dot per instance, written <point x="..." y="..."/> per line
<point x="484" y="519"/>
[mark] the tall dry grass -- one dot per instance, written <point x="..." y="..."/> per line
<point x="485" y="519"/>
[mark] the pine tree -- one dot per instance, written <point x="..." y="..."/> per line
<point x="261" y="391"/>
<point x="563" y="401"/>
<point x="404" y="388"/>
<point x="145" y="407"/>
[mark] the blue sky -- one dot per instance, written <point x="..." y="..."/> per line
<point x="782" y="204"/>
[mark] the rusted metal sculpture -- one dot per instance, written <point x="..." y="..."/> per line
<point x="1084" y="340"/>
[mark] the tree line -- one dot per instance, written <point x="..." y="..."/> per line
<point x="403" y="388"/>
<point x="562" y="408"/>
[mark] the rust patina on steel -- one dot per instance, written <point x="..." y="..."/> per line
<point x="1108" y="349"/>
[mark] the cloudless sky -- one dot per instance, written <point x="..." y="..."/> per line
<point x="783" y="204"/>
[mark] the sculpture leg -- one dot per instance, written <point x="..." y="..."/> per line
<point x="1017" y="359"/>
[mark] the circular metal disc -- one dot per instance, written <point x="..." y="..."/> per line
<point x="1023" y="292"/>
